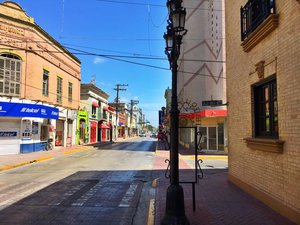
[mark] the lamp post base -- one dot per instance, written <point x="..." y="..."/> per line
<point x="175" y="213"/>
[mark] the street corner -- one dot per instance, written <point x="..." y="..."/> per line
<point x="207" y="157"/>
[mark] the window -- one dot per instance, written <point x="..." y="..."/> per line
<point x="265" y="109"/>
<point x="70" y="92"/>
<point x="10" y="75"/>
<point x="45" y="82"/>
<point x="59" y="90"/>
<point x="253" y="14"/>
<point x="94" y="109"/>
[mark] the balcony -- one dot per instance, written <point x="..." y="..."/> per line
<point x="253" y="14"/>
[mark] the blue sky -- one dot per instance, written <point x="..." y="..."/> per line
<point x="107" y="27"/>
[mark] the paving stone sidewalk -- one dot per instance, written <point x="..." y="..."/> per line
<point x="218" y="201"/>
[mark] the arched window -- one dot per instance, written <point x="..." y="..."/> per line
<point x="10" y="74"/>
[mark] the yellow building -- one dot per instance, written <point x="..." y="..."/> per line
<point x="39" y="85"/>
<point x="263" y="90"/>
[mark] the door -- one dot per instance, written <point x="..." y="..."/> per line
<point x="212" y="138"/>
<point x="209" y="138"/>
<point x="9" y="136"/>
<point x="93" y="131"/>
<point x="103" y="134"/>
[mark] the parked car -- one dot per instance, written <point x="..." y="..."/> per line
<point x="154" y="135"/>
<point x="142" y="135"/>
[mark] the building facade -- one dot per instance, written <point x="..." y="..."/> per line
<point x="95" y="102"/>
<point x="39" y="85"/>
<point x="263" y="87"/>
<point x="202" y="78"/>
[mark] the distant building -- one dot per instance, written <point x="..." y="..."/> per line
<point x="263" y="87"/>
<point x="202" y="76"/>
<point x="121" y="119"/>
<point x="99" y="124"/>
<point x="39" y="85"/>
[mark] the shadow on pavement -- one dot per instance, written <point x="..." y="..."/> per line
<point x="143" y="146"/>
<point x="86" y="197"/>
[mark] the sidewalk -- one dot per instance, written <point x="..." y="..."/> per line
<point x="12" y="161"/>
<point x="218" y="201"/>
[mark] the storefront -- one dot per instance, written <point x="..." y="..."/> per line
<point x="82" y="131"/>
<point x="64" y="135"/>
<point x="93" y="131"/>
<point x="105" y="131"/>
<point x="211" y="125"/>
<point x="25" y="127"/>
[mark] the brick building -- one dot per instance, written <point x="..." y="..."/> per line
<point x="39" y="85"/>
<point x="263" y="90"/>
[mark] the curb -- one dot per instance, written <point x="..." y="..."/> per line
<point x="151" y="212"/>
<point x="205" y="157"/>
<point x="26" y="163"/>
<point x="44" y="158"/>
<point x="77" y="150"/>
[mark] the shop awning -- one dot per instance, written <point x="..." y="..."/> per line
<point x="105" y="108"/>
<point x="206" y="113"/>
<point x="104" y="126"/>
<point x="95" y="104"/>
<point x="111" y="108"/>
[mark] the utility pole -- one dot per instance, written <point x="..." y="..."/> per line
<point x="117" y="104"/>
<point x="132" y="103"/>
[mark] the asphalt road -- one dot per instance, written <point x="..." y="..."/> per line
<point x="106" y="185"/>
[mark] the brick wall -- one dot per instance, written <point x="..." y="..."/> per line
<point x="275" y="175"/>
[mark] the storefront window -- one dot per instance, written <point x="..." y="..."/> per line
<point x="10" y="75"/>
<point x="44" y="132"/>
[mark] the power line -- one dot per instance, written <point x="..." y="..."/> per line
<point x="80" y="52"/>
<point x="154" y="5"/>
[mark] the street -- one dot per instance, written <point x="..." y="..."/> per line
<point x="97" y="186"/>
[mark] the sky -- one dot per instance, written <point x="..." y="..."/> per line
<point x="117" y="33"/>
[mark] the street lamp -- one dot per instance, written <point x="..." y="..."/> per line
<point x="175" y="212"/>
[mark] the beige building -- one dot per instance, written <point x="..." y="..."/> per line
<point x="201" y="76"/>
<point x="263" y="89"/>
<point x="39" y="85"/>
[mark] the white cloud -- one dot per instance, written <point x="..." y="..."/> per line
<point x="98" y="60"/>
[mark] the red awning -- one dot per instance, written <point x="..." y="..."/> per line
<point x="206" y="113"/>
<point x="105" y="108"/>
<point x="104" y="126"/>
<point x="95" y="104"/>
<point x="111" y="108"/>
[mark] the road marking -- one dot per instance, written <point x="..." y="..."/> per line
<point x="127" y="199"/>
<point x="151" y="212"/>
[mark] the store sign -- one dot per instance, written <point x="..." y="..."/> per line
<point x="8" y="133"/>
<point x="212" y="103"/>
<point x="28" y="110"/>
<point x="161" y="117"/>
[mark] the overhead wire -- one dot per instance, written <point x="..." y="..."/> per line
<point x="154" y="5"/>
<point x="81" y="52"/>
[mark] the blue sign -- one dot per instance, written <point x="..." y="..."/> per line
<point x="28" y="110"/>
<point x="8" y="133"/>
<point x="160" y="117"/>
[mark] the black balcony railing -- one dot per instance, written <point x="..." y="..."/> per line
<point x="253" y="14"/>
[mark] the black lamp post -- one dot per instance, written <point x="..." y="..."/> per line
<point x="175" y="212"/>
